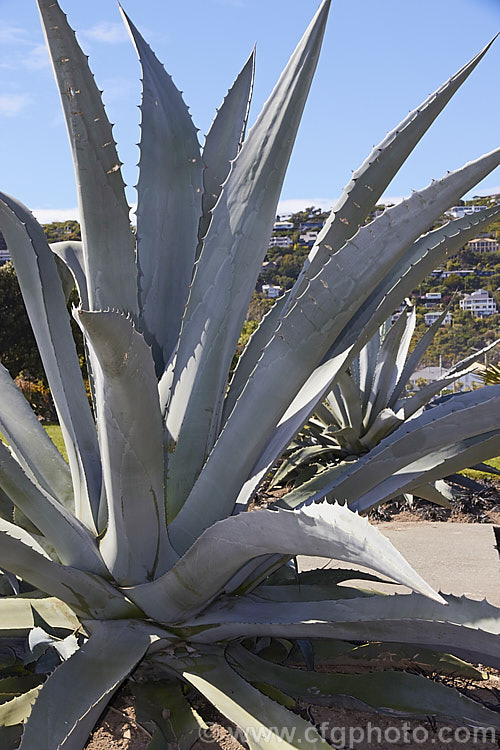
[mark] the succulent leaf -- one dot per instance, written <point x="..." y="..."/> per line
<point x="18" y="615"/>
<point x="71" y="253"/>
<point x="42" y="291"/>
<point x="398" y="692"/>
<point x="304" y="337"/>
<point x="72" y="541"/>
<point x="228" y="268"/>
<point x="164" y="703"/>
<point x="469" y="628"/>
<point x="326" y="530"/>
<point x="87" y="595"/>
<point x="417" y="263"/>
<point x="108" y="241"/>
<point x="369" y="182"/>
<point x="135" y="545"/>
<point x="258" y="716"/>
<point x="169" y="195"/>
<point x="224" y="141"/>
<point x="31" y="445"/>
<point x="98" y="667"/>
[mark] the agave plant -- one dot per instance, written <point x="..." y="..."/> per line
<point x="369" y="402"/>
<point x="140" y="544"/>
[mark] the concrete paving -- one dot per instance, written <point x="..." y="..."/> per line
<point x="455" y="558"/>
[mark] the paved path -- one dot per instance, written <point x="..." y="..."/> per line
<point x="456" y="558"/>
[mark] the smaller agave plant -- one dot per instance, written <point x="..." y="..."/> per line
<point x="369" y="402"/>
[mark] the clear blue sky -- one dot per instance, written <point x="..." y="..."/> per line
<point x="380" y="59"/>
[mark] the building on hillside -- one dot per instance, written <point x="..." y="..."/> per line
<point x="458" y="272"/>
<point x="431" y="317"/>
<point x="280" y="226"/>
<point x="308" y="238"/>
<point x="271" y="291"/>
<point x="483" y="245"/>
<point x="280" y="242"/>
<point x="305" y="226"/>
<point x="458" y="212"/>
<point x="4" y="251"/>
<point x="479" y="304"/>
<point x="268" y="265"/>
<point x="431" y="298"/>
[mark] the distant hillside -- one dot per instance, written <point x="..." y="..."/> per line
<point x="283" y="263"/>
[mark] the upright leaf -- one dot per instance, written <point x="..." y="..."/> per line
<point x="224" y="141"/>
<point x="229" y="266"/>
<point x="108" y="241"/>
<point x="135" y="544"/>
<point x="400" y="279"/>
<point x="168" y="204"/>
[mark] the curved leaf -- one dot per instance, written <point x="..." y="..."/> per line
<point x="87" y="595"/>
<point x="108" y="242"/>
<point x="259" y="717"/>
<point x="44" y="299"/>
<point x="467" y="628"/>
<point x="305" y="336"/>
<point x="18" y="615"/>
<point x="72" y="541"/>
<point x="325" y="530"/>
<point x="163" y="702"/>
<point x="18" y="709"/>
<point x="30" y="443"/>
<point x="71" y="253"/>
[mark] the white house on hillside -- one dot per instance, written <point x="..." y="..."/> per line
<point x="280" y="242"/>
<point x="483" y="245"/>
<point x="479" y="303"/>
<point x="431" y="317"/>
<point x="458" y="212"/>
<point x="271" y="290"/>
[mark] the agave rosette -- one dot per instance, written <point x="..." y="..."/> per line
<point x="139" y="544"/>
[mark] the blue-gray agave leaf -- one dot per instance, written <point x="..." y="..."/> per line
<point x="229" y="266"/>
<point x="104" y="214"/>
<point x="169" y="195"/>
<point x="98" y="668"/>
<point x="45" y="303"/>
<point x="135" y="544"/>
<point x="224" y="141"/>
